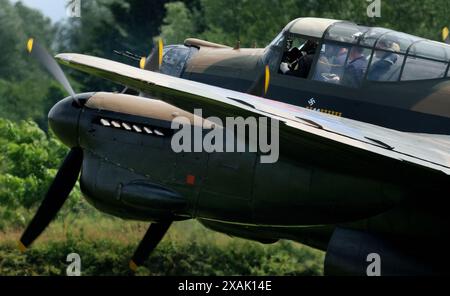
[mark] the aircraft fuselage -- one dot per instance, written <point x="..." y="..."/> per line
<point x="410" y="106"/>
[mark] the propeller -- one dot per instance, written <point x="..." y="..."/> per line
<point x="261" y="86"/>
<point x="49" y="63"/>
<point x="69" y="171"/>
<point x="55" y="197"/>
<point x="151" y="239"/>
<point x="154" y="61"/>
<point x="67" y="175"/>
<point x="156" y="231"/>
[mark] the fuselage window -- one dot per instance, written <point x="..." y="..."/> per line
<point x="422" y="69"/>
<point x="386" y="62"/>
<point x="298" y="57"/>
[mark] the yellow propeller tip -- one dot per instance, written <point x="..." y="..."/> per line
<point x="160" y="51"/>
<point x="142" y="62"/>
<point x="30" y="45"/>
<point x="267" y="80"/>
<point x="133" y="266"/>
<point x="445" y="33"/>
<point x="22" y="247"/>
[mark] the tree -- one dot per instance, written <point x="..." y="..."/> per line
<point x="11" y="35"/>
<point x="29" y="160"/>
<point x="24" y="86"/>
<point x="108" y="25"/>
<point x="260" y="20"/>
<point x="178" y="23"/>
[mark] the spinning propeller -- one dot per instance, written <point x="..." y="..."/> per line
<point x="69" y="171"/>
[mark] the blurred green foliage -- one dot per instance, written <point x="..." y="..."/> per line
<point x="241" y="258"/>
<point x="260" y="20"/>
<point x="29" y="160"/>
<point x="25" y="91"/>
<point x="188" y="249"/>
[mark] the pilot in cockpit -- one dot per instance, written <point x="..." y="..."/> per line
<point x="298" y="62"/>
<point x="354" y="70"/>
<point x="330" y="65"/>
<point x="384" y="60"/>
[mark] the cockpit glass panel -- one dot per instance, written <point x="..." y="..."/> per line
<point x="421" y="69"/>
<point x="396" y="42"/>
<point x="278" y="41"/>
<point x="175" y="58"/>
<point x="431" y="50"/>
<point x="331" y="64"/>
<point x="345" y="32"/>
<point x="274" y="52"/>
<point x="371" y="36"/>
<point x="298" y="56"/>
<point x="342" y="64"/>
<point x="385" y="66"/>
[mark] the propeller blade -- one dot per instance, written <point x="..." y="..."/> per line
<point x="40" y="54"/>
<point x="446" y="35"/>
<point x="56" y="195"/>
<point x="261" y="86"/>
<point x="154" y="61"/>
<point x="152" y="237"/>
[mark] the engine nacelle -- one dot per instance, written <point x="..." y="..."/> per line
<point x="126" y="194"/>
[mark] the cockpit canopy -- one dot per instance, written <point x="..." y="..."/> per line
<point x="385" y="55"/>
<point x="175" y="58"/>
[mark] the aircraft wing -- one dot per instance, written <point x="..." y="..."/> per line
<point x="426" y="151"/>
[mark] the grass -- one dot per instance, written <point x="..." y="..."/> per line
<point x="106" y="244"/>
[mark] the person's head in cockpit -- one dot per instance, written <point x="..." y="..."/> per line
<point x="355" y="68"/>
<point x="356" y="53"/>
<point x="386" y="48"/>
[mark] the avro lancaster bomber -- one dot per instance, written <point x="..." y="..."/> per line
<point x="353" y="186"/>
